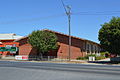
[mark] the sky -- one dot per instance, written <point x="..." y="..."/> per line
<point x="24" y="16"/>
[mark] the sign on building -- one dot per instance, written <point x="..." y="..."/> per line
<point x="8" y="49"/>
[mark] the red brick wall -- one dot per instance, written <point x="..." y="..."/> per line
<point x="25" y="48"/>
<point x="76" y="48"/>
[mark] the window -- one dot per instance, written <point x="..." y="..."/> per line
<point x="87" y="46"/>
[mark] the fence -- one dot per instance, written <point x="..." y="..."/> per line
<point x="47" y="58"/>
<point x="35" y="58"/>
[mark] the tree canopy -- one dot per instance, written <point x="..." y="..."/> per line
<point x="109" y="36"/>
<point x="43" y="41"/>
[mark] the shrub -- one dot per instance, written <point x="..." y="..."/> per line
<point x="105" y="54"/>
<point x="93" y="55"/>
<point x="82" y="58"/>
<point x="100" y="57"/>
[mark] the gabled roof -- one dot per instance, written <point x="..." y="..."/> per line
<point x="71" y="36"/>
<point x="9" y="36"/>
<point x="64" y="35"/>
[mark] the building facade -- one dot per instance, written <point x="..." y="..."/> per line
<point x="7" y="40"/>
<point x="79" y="47"/>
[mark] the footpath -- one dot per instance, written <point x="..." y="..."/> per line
<point x="100" y="62"/>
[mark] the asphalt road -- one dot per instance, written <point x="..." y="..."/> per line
<point x="12" y="70"/>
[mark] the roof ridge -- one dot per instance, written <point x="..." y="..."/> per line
<point x="71" y="36"/>
<point x="61" y="34"/>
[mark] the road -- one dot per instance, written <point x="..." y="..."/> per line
<point x="18" y="70"/>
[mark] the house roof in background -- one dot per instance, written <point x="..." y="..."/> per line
<point x="9" y="36"/>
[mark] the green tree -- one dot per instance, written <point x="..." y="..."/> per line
<point x="43" y="41"/>
<point x="109" y="36"/>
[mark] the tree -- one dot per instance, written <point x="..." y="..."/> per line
<point x="109" y="36"/>
<point x="43" y="41"/>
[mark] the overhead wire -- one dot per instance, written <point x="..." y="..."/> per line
<point x="97" y="13"/>
<point x="61" y="15"/>
<point x="33" y="19"/>
<point x="64" y="6"/>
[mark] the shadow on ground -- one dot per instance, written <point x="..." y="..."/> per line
<point x="103" y="62"/>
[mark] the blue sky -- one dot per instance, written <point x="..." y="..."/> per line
<point x="24" y="16"/>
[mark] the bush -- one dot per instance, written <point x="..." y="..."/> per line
<point x="82" y="58"/>
<point x="92" y="55"/>
<point x="100" y="57"/>
<point x="86" y="57"/>
<point x="105" y="54"/>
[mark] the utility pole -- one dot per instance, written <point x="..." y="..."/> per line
<point x="68" y="13"/>
<point x="69" y="25"/>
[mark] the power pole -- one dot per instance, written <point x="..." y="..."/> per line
<point x="68" y="13"/>
<point x="69" y="25"/>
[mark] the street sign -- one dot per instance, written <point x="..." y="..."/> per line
<point x="8" y="49"/>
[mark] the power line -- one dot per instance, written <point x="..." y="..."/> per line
<point x="102" y="13"/>
<point x="64" y="6"/>
<point x="97" y="13"/>
<point x="33" y="19"/>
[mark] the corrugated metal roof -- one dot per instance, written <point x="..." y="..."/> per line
<point x="9" y="36"/>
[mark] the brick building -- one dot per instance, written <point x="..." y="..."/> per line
<point x="7" y="40"/>
<point x="80" y="47"/>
